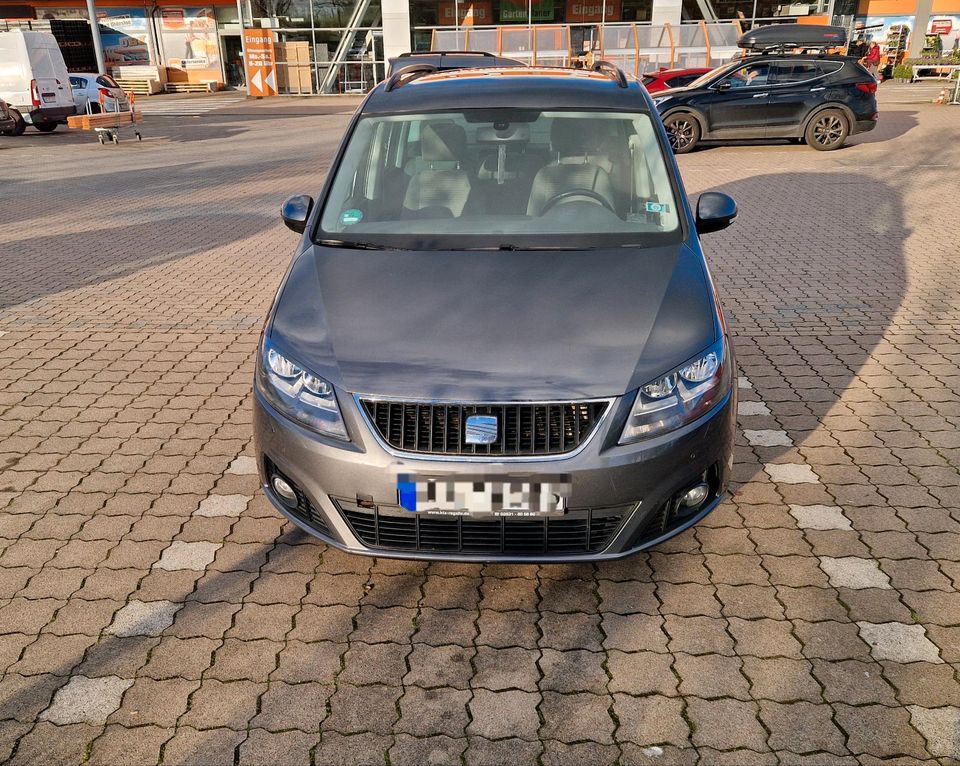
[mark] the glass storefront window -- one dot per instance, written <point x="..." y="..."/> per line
<point x="504" y="13"/>
<point x="226" y="14"/>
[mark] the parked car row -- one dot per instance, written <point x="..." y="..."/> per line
<point x="37" y="90"/>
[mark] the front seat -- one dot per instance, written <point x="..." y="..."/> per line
<point x="575" y="166"/>
<point x="441" y="187"/>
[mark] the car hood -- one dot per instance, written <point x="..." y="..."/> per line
<point x="676" y="92"/>
<point x="494" y="325"/>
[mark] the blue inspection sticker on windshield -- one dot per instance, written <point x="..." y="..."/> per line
<point x="658" y="207"/>
<point x="351" y="216"/>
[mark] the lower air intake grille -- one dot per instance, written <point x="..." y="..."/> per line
<point x="522" y="429"/>
<point x="304" y="511"/>
<point x="391" y="528"/>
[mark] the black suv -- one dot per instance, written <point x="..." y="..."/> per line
<point x="444" y="60"/>
<point x="813" y="97"/>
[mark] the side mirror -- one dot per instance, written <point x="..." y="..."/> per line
<point x="715" y="211"/>
<point x="722" y="86"/>
<point x="295" y="211"/>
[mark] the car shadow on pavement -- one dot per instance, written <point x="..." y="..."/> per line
<point x="111" y="651"/>
<point x="44" y="265"/>
<point x="811" y="277"/>
<point x="892" y="124"/>
<point x="184" y="132"/>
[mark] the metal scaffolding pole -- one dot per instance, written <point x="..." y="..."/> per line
<point x="243" y="47"/>
<point x="97" y="42"/>
<point x="343" y="48"/>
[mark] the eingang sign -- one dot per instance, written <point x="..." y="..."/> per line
<point x="592" y="11"/>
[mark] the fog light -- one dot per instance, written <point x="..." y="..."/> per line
<point x="282" y="488"/>
<point x="695" y="496"/>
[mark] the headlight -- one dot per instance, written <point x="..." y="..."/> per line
<point x="659" y="100"/>
<point x="299" y="394"/>
<point x="679" y="397"/>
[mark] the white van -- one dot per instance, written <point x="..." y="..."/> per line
<point x="34" y="78"/>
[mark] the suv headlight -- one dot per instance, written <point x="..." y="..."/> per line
<point x="657" y="100"/>
<point x="299" y="394"/>
<point x="680" y="396"/>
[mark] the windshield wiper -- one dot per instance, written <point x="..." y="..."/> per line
<point x="354" y="245"/>
<point x="508" y="246"/>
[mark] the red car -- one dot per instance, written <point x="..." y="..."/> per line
<point x="671" y="78"/>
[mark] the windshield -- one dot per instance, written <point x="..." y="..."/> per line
<point x="502" y="179"/>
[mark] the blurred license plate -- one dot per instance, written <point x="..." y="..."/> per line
<point x="483" y="496"/>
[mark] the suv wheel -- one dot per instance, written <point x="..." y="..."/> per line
<point x="46" y="127"/>
<point x="827" y="130"/>
<point x="683" y="130"/>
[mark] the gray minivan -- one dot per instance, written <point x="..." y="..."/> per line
<point x="498" y="338"/>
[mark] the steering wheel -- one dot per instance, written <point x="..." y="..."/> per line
<point x="587" y="193"/>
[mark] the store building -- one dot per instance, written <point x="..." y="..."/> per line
<point x="911" y="28"/>
<point x="344" y="45"/>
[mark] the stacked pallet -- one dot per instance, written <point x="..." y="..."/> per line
<point x="141" y="79"/>
<point x="141" y="87"/>
<point x="104" y="120"/>
<point x="204" y="86"/>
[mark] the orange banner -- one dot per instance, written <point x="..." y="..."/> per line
<point x="261" y="62"/>
<point x="471" y="13"/>
<point x="591" y="11"/>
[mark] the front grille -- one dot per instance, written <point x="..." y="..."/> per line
<point x="304" y="511"/>
<point x="522" y="429"/>
<point x="392" y="528"/>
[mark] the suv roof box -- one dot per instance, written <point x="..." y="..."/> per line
<point x="788" y="36"/>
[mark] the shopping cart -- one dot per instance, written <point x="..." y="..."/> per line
<point x="109" y="124"/>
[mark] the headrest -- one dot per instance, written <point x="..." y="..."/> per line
<point x="442" y="142"/>
<point x="571" y="137"/>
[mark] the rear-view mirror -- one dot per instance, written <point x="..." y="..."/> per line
<point x="715" y="211"/>
<point x="722" y="86"/>
<point x="295" y="211"/>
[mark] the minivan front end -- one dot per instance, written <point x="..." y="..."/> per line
<point x="608" y="497"/>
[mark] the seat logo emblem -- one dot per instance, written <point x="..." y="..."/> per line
<point x="481" y="429"/>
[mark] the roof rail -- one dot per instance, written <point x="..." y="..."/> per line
<point x="446" y="53"/>
<point x="408" y="73"/>
<point x="614" y="72"/>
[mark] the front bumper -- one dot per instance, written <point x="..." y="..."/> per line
<point x="340" y="483"/>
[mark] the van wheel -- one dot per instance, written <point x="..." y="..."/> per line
<point x="827" y="130"/>
<point x="46" y="127"/>
<point x="683" y="130"/>
<point x="19" y="124"/>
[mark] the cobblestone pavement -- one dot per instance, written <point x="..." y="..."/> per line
<point x="154" y="607"/>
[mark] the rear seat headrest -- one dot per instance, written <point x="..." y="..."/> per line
<point x="443" y="142"/>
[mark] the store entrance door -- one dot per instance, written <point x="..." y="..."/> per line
<point x="233" y="60"/>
